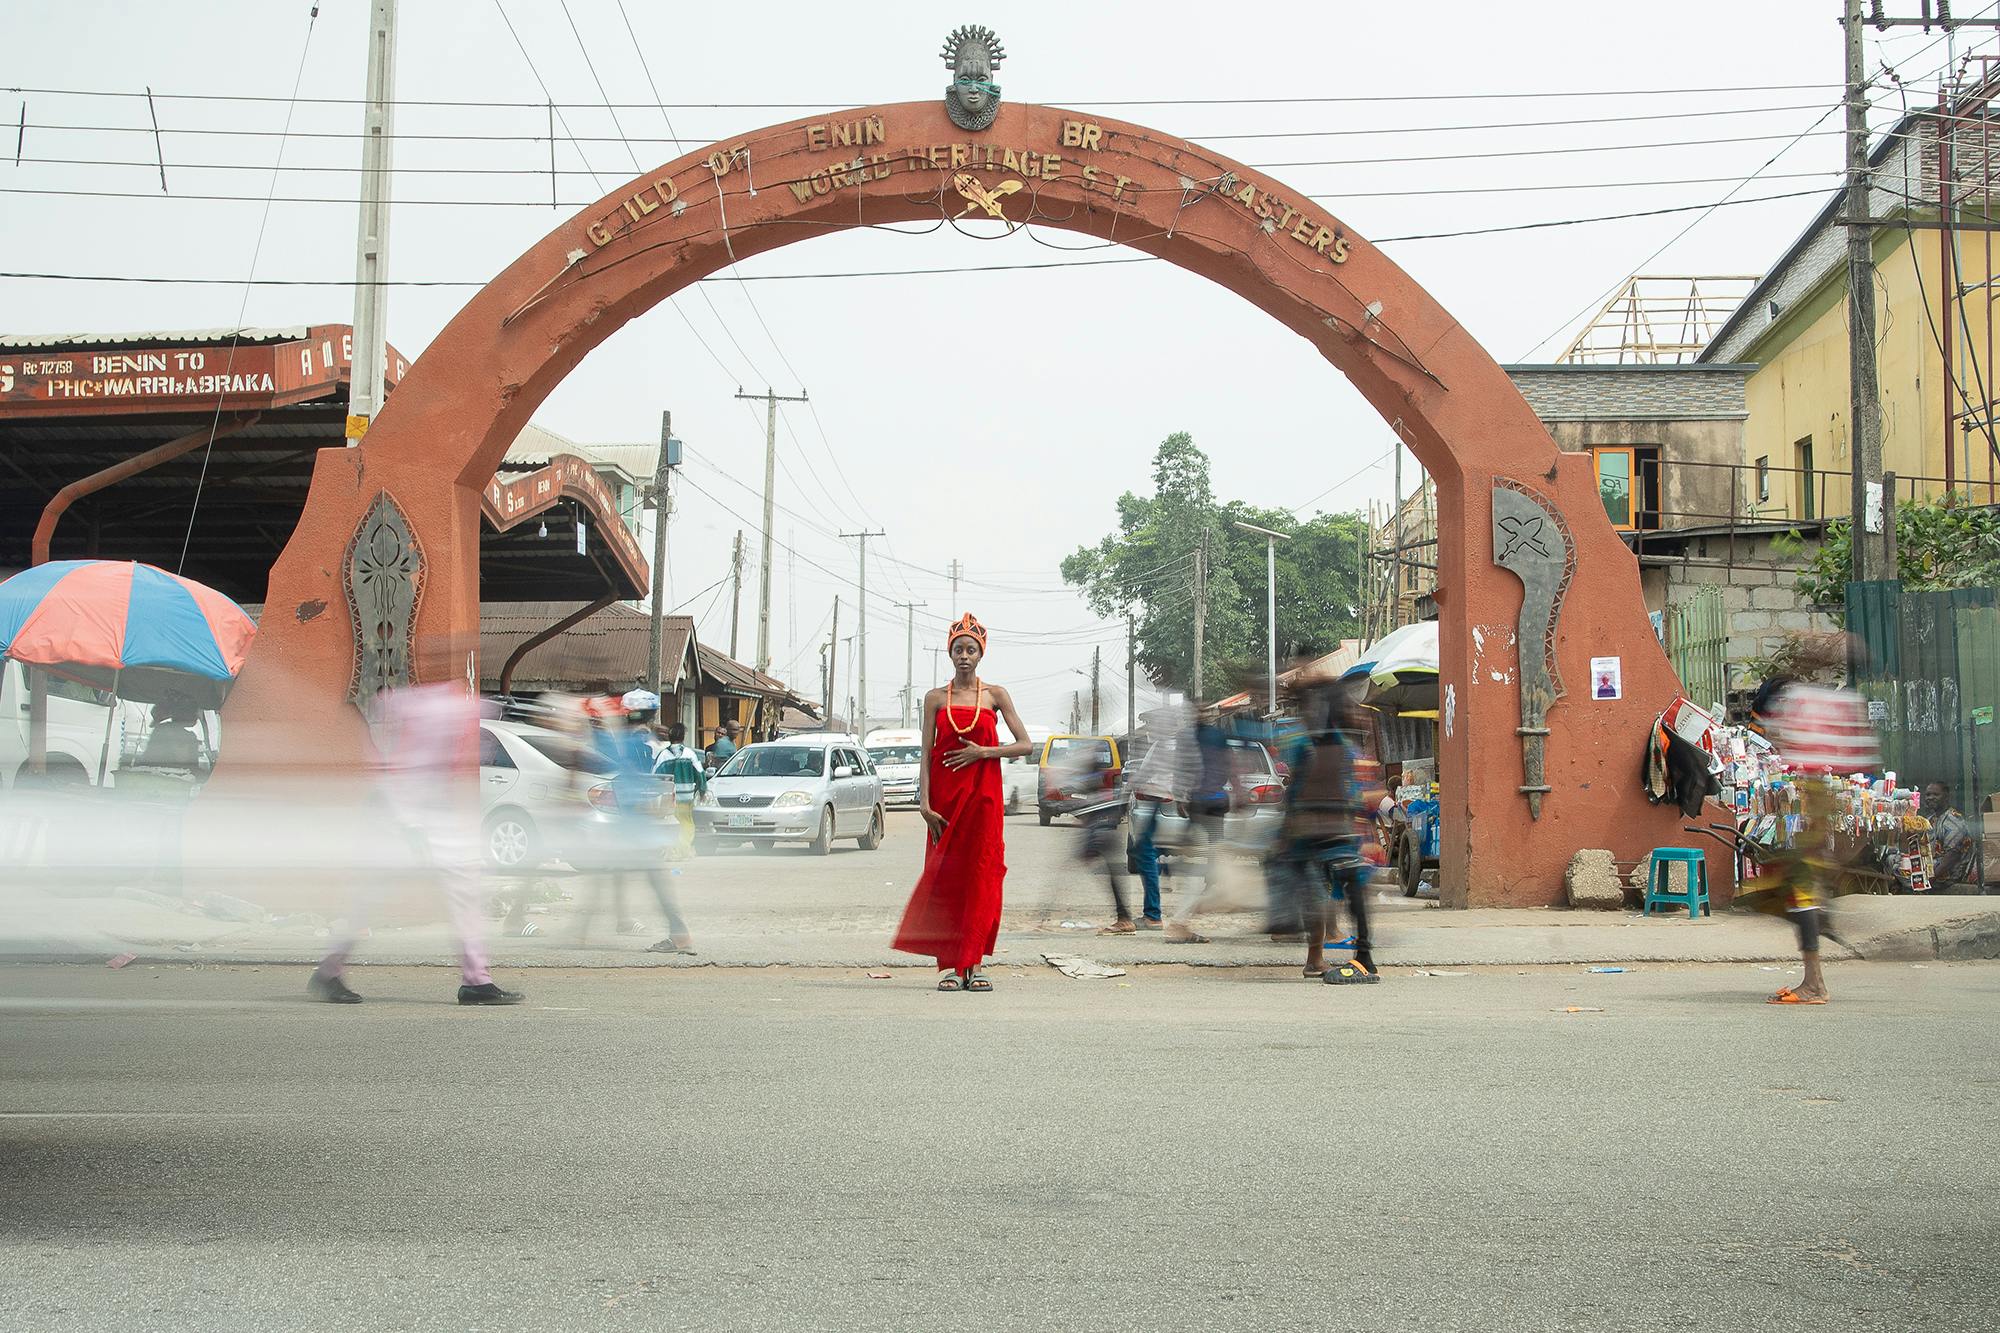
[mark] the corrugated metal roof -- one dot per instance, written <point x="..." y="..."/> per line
<point x="153" y="337"/>
<point x="732" y="674"/>
<point x="615" y="645"/>
<point x="535" y="445"/>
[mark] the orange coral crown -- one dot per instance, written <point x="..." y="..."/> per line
<point x="967" y="626"/>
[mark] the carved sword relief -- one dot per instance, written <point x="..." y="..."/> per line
<point x="1531" y="541"/>
<point x="384" y="577"/>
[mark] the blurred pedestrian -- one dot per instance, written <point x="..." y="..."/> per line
<point x="1822" y="733"/>
<point x="641" y="831"/>
<point x="954" y="914"/>
<point x="430" y="738"/>
<point x="1332" y="798"/>
<point x="1208" y="805"/>
<point x="1163" y="783"/>
<point x="1081" y="771"/>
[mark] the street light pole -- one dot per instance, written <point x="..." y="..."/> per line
<point x="661" y="501"/>
<point x="1271" y="540"/>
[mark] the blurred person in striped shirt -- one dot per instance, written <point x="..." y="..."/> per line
<point x="1822" y="733"/>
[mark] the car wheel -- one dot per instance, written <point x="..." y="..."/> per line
<point x="510" y="841"/>
<point x="1013" y="802"/>
<point x="872" y="839"/>
<point x="1046" y="817"/>
<point x="705" y="846"/>
<point x="822" y="842"/>
<point x="1409" y="865"/>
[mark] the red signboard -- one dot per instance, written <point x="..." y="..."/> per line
<point x="91" y="381"/>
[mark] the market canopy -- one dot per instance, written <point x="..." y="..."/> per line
<point x="134" y="630"/>
<point x="1401" y="670"/>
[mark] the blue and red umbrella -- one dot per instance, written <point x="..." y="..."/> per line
<point x="138" y="631"/>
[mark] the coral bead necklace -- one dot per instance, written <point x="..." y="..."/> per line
<point x="950" y="712"/>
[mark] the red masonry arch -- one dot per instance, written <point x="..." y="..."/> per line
<point x="436" y="444"/>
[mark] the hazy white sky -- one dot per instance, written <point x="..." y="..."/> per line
<point x="990" y="417"/>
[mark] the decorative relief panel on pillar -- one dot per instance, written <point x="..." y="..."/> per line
<point x="1531" y="541"/>
<point x="384" y="576"/>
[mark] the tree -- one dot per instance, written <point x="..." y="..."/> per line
<point x="1947" y="542"/>
<point x="1146" y="570"/>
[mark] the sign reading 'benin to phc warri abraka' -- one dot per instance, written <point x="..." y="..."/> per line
<point x="143" y="378"/>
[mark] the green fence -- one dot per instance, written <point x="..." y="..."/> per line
<point x="1932" y="678"/>
<point x="1697" y="635"/>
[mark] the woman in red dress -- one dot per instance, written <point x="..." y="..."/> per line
<point x="954" y="915"/>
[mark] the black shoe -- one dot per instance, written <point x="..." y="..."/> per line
<point x="331" y="989"/>
<point x="488" y="994"/>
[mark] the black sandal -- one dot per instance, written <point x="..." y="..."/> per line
<point x="950" y="981"/>
<point x="1351" y="974"/>
<point x="977" y="980"/>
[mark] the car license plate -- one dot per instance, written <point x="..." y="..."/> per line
<point x="739" y="821"/>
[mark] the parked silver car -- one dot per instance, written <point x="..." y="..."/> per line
<point x="810" y="789"/>
<point x="534" y="796"/>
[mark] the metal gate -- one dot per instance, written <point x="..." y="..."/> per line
<point x="1697" y="639"/>
<point x="1932" y="677"/>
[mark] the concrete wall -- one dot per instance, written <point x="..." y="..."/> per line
<point x="1695" y="459"/>
<point x="1759" y="592"/>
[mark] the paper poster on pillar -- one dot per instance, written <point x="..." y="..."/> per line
<point x="1607" y="678"/>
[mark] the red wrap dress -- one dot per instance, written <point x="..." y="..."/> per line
<point x="954" y="915"/>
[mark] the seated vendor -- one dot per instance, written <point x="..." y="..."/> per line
<point x="172" y="743"/>
<point x="1953" y="836"/>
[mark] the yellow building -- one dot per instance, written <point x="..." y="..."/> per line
<point x="1932" y="292"/>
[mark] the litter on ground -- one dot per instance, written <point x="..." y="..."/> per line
<point x="1070" y="965"/>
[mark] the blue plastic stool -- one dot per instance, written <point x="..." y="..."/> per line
<point x="1659" y="881"/>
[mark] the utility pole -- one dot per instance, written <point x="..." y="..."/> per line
<point x="661" y="501"/>
<point x="909" y="660"/>
<point x="861" y="690"/>
<point x="771" y="401"/>
<point x="1863" y="393"/>
<point x="371" y="246"/>
<point x="1396" y="549"/>
<point x="1271" y="540"/>
<point x="833" y="662"/>
<point x="857" y="730"/>
<point x="1096" y="661"/>
<point x="1131" y="676"/>
<point x="1200" y="610"/>
<point x="736" y="591"/>
<point x="956" y="569"/>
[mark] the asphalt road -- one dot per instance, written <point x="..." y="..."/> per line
<point x="201" y="1148"/>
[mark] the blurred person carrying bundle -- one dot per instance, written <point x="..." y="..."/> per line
<point x="1822" y="733"/>
<point x="1324" y="842"/>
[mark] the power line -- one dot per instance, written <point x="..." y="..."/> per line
<point x="1351" y="99"/>
<point x="243" y="306"/>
